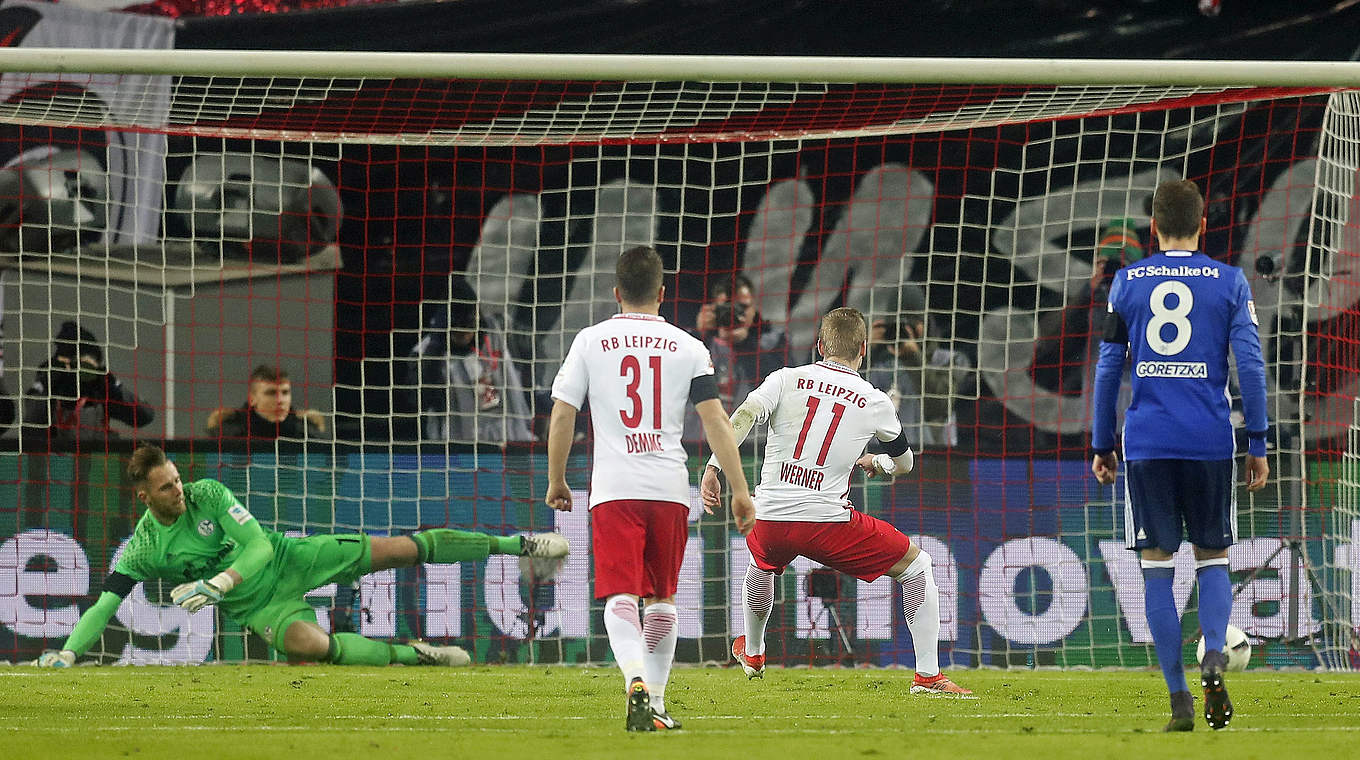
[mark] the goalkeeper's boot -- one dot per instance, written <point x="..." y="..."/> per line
<point x="639" y="707"/>
<point x="544" y="545"/>
<point x="753" y="664"/>
<point x="1218" y="708"/>
<point x="936" y="684"/>
<point x="449" y="656"/>
<point x="1182" y="712"/>
<point x="663" y="721"/>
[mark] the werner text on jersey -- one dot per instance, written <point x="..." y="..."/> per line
<point x="820" y="416"/>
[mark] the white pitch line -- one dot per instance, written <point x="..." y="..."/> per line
<point x="742" y="731"/>
<point x="819" y="716"/>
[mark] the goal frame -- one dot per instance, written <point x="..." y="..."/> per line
<point x="1310" y="77"/>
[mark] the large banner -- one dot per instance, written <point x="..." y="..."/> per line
<point x="991" y="233"/>
<point x="130" y="168"/>
<point x="1028" y="556"/>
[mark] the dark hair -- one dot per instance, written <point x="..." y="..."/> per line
<point x="145" y="459"/>
<point x="726" y="286"/>
<point x="638" y="275"/>
<point x="266" y="373"/>
<point x="1177" y="208"/>
<point x="74" y="341"/>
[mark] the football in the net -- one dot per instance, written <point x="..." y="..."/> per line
<point x="1236" y="645"/>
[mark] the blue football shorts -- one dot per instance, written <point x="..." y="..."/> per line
<point x="1162" y="495"/>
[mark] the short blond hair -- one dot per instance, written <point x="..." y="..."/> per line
<point x="843" y="332"/>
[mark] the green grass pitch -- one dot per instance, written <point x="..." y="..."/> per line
<point x="263" y="711"/>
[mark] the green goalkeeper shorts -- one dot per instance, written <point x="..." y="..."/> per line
<point x="308" y="563"/>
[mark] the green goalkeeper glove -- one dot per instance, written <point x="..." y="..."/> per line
<point x="63" y="659"/>
<point x="196" y="595"/>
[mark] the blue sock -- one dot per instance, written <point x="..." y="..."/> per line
<point x="1215" y="603"/>
<point x="1159" y="604"/>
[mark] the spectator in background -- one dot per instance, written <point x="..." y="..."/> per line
<point x="75" y="396"/>
<point x="921" y="375"/>
<point x="744" y="347"/>
<point x="1067" y="339"/>
<point x="268" y="412"/>
<point x="466" y="384"/>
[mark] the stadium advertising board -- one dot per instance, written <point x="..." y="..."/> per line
<point x="1028" y="556"/>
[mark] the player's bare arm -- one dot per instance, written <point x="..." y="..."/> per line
<point x="710" y="489"/>
<point x="718" y="430"/>
<point x="561" y="428"/>
<point x="710" y="485"/>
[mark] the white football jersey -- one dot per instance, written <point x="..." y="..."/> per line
<point x="821" y="417"/>
<point x="635" y="370"/>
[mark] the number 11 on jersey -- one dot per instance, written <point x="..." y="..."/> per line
<point x="837" y="410"/>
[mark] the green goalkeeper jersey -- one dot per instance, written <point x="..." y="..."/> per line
<point x="215" y="533"/>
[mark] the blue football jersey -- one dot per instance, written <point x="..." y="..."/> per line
<point x="1175" y="316"/>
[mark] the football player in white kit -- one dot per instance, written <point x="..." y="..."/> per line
<point x="821" y="416"/>
<point x="638" y="372"/>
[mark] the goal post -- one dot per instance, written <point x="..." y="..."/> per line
<point x="416" y="239"/>
<point x="719" y="68"/>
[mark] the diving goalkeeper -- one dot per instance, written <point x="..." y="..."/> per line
<point x="199" y="534"/>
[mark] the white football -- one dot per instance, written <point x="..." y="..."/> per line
<point x="1237" y="646"/>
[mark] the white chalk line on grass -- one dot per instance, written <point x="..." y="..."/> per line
<point x="746" y="731"/>
<point x="471" y="718"/>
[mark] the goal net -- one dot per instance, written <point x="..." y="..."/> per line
<point x="415" y="241"/>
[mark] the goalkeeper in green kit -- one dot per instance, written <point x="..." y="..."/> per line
<point x="198" y="534"/>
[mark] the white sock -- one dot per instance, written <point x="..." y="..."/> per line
<point x="658" y="633"/>
<point x="758" y="600"/>
<point x="921" y="608"/>
<point x="625" y="635"/>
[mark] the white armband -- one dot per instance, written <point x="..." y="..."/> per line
<point x="885" y="464"/>
<point x="900" y="465"/>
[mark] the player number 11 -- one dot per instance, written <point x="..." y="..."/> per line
<point x="837" y="410"/>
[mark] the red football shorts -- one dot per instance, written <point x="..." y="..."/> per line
<point x="865" y="547"/>
<point x="638" y="546"/>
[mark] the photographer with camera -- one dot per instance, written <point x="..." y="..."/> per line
<point x="743" y="346"/>
<point x="921" y="375"/>
<point x="1067" y="339"/>
<point x="75" y="396"/>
